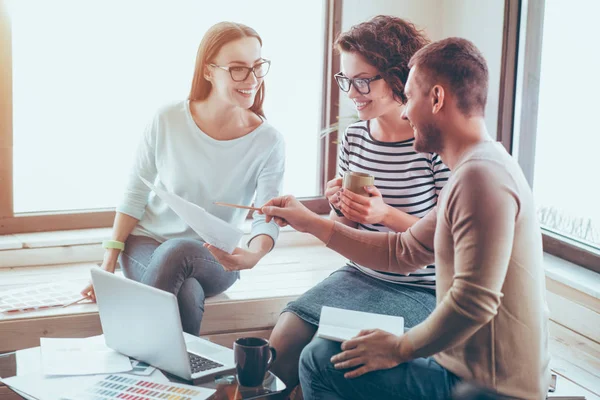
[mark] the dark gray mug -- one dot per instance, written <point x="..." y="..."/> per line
<point x="253" y="357"/>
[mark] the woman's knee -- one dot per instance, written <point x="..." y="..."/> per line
<point x="291" y="333"/>
<point x="177" y="250"/>
<point x="170" y="259"/>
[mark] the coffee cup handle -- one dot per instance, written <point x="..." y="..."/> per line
<point x="273" y="357"/>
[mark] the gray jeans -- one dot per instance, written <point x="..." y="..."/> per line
<point x="179" y="266"/>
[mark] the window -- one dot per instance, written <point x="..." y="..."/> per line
<point x="564" y="177"/>
<point x="88" y="76"/>
<point x="558" y="133"/>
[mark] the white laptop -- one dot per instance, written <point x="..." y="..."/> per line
<point x="143" y="322"/>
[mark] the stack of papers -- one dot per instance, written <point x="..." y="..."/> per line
<point x="68" y="369"/>
<point x="340" y="325"/>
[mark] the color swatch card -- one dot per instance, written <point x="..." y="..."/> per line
<point x="129" y="388"/>
<point x="40" y="296"/>
<point x="141" y="368"/>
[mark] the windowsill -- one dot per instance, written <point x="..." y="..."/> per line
<point x="572" y="275"/>
<point x="75" y="237"/>
<point x="559" y="270"/>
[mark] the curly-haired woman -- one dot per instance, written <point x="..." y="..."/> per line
<point x="374" y="60"/>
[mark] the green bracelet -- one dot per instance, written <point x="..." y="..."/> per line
<point x="113" y="244"/>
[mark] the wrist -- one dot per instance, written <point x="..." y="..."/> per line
<point x="404" y="349"/>
<point x="261" y="245"/>
<point x="321" y="228"/>
<point x="387" y="215"/>
<point x="111" y="256"/>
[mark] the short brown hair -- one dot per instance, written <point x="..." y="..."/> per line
<point x="457" y="62"/>
<point x="212" y="42"/>
<point x="387" y="43"/>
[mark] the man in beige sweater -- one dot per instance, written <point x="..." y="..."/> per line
<point x="490" y="323"/>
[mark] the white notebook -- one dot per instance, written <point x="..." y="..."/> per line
<point x="339" y="325"/>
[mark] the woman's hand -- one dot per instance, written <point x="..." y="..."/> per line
<point x="372" y="350"/>
<point x="362" y="209"/>
<point x="239" y="260"/>
<point x="333" y="191"/>
<point x="108" y="264"/>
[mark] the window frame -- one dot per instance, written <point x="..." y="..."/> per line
<point x="518" y="31"/>
<point x="522" y="36"/>
<point x="103" y="218"/>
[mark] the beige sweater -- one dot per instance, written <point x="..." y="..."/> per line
<point x="490" y="323"/>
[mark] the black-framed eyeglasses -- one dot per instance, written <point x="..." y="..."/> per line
<point x="239" y="73"/>
<point x="362" y="85"/>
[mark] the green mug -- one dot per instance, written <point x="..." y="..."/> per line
<point x="356" y="181"/>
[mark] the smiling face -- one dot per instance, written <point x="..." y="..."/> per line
<point x="244" y="52"/>
<point x="419" y="112"/>
<point x="379" y="100"/>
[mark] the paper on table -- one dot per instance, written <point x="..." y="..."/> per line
<point x="339" y="325"/>
<point x="211" y="229"/>
<point x="81" y="357"/>
<point x="40" y="387"/>
<point x="29" y="361"/>
<point x="30" y="383"/>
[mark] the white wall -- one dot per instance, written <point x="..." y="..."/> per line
<point x="480" y="21"/>
<point x="425" y="14"/>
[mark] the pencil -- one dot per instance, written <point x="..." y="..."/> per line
<point x="75" y="302"/>
<point x="237" y="206"/>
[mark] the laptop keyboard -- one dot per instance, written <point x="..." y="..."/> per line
<point x="200" y="364"/>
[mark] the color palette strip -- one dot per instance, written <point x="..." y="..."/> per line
<point x="127" y="388"/>
<point x="40" y="296"/>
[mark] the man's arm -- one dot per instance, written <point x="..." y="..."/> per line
<point x="386" y="251"/>
<point x="481" y="210"/>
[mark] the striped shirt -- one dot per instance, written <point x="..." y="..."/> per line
<point x="408" y="181"/>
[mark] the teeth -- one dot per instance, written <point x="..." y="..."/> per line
<point x="361" y="104"/>
<point x="246" y="91"/>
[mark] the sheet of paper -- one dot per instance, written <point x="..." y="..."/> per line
<point x="29" y="361"/>
<point x="40" y="387"/>
<point x="339" y="325"/>
<point x="119" y="385"/>
<point x="211" y="229"/>
<point x="40" y="296"/>
<point x="81" y="357"/>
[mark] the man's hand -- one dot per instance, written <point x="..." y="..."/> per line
<point x="287" y="210"/>
<point x="362" y="209"/>
<point x="372" y="350"/>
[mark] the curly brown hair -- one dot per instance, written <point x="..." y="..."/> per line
<point x="387" y="43"/>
